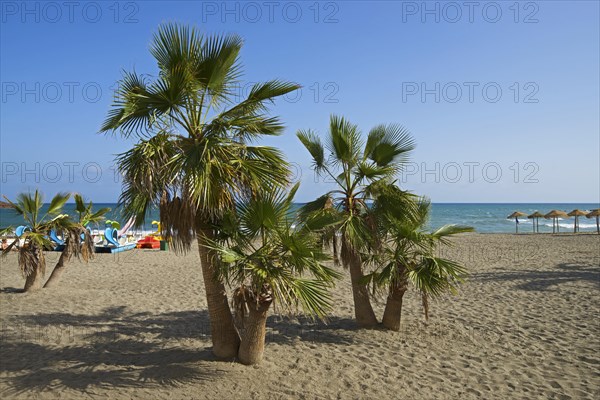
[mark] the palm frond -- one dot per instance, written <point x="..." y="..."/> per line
<point x="345" y="141"/>
<point x="130" y="113"/>
<point x="448" y="230"/>
<point x="57" y="203"/>
<point x="175" y="46"/>
<point x="313" y="144"/>
<point x="322" y="203"/>
<point x="218" y="69"/>
<point x="389" y="144"/>
<point x="436" y="276"/>
<point x="267" y="259"/>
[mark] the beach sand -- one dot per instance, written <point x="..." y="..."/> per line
<point x="134" y="325"/>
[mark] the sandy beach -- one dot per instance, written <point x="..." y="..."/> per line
<point x="134" y="325"/>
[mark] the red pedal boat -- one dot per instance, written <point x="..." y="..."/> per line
<point x="149" y="242"/>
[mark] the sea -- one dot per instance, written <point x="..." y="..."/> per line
<point x="484" y="217"/>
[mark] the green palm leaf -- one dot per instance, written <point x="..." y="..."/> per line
<point x="314" y="146"/>
<point x="387" y="144"/>
<point x="57" y="203"/>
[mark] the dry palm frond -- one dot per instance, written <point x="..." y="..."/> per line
<point x="178" y="222"/>
<point x="239" y="302"/>
<point x="82" y="248"/>
<point x="87" y="246"/>
<point x="30" y="259"/>
<point x="347" y="252"/>
<point x="71" y="245"/>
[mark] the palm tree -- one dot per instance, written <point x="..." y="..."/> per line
<point x="323" y="207"/>
<point x="78" y="240"/>
<point x="35" y="239"/>
<point x="354" y="166"/>
<point x="408" y="256"/>
<point x="194" y="159"/>
<point x="265" y="259"/>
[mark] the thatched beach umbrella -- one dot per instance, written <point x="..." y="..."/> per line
<point x="576" y="213"/>
<point x="555" y="215"/>
<point x="536" y="220"/>
<point x="595" y="213"/>
<point x="516" y="216"/>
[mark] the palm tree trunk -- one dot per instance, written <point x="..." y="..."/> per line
<point x="393" y="309"/>
<point x="336" y="260"/>
<point x="225" y="338"/>
<point x="253" y="334"/>
<point x="58" y="270"/>
<point x="34" y="281"/>
<point x="365" y="316"/>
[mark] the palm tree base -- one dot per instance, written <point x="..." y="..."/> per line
<point x="252" y="346"/>
<point x="33" y="282"/>
<point x="393" y="312"/>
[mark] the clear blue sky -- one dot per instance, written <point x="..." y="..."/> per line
<point x="368" y="61"/>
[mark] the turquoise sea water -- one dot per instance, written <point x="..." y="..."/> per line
<point x="484" y="217"/>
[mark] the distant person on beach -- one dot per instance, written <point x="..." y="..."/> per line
<point x="4" y="244"/>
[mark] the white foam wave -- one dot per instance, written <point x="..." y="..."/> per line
<point x="571" y="226"/>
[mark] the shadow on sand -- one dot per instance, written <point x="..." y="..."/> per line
<point x="115" y="348"/>
<point x="112" y="349"/>
<point x="11" y="290"/>
<point x="536" y="280"/>
<point x="335" y="331"/>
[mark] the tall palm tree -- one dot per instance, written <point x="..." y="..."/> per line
<point x="264" y="257"/>
<point x="194" y="159"/>
<point x="34" y="241"/>
<point x="409" y="256"/>
<point x="78" y="240"/>
<point x="354" y="165"/>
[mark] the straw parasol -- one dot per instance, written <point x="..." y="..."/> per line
<point x="536" y="220"/>
<point x="516" y="216"/>
<point x="595" y="213"/>
<point x="555" y="214"/>
<point x="576" y="213"/>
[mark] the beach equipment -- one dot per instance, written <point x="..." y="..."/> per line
<point x="114" y="243"/>
<point x="516" y="216"/>
<point x="576" y="213"/>
<point x="21" y="230"/>
<point x="149" y="242"/>
<point x="60" y="243"/>
<point x="157" y="233"/>
<point x="128" y="225"/>
<point x="555" y="215"/>
<point x="152" y="240"/>
<point x="113" y="224"/>
<point x="535" y="217"/>
<point x="595" y="213"/>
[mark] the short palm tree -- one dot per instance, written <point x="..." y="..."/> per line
<point x="408" y="256"/>
<point x="78" y="240"/>
<point x="34" y="241"/>
<point x="323" y="208"/>
<point x="194" y="158"/>
<point x="266" y="259"/>
<point x="354" y="165"/>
